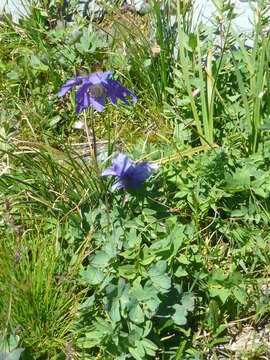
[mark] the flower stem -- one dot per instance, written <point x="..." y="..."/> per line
<point x="109" y="135"/>
<point x="124" y="199"/>
<point x="92" y="144"/>
<point x="93" y="151"/>
<point x="92" y="123"/>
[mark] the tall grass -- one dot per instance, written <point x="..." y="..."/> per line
<point x="39" y="295"/>
<point x="151" y="49"/>
<point x="255" y="90"/>
<point x="207" y="79"/>
<point x="46" y="179"/>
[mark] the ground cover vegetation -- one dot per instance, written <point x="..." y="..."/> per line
<point x="169" y="259"/>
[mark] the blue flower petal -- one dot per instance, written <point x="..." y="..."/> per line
<point x="116" y="90"/>
<point x="94" y="90"/>
<point x="69" y="85"/>
<point x="83" y="103"/>
<point x="82" y="98"/>
<point x="79" y="95"/>
<point x="121" y="164"/>
<point x="96" y="78"/>
<point x="106" y="76"/>
<point x="130" y="175"/>
<point x="138" y="173"/>
<point x="142" y="171"/>
<point x="98" y="103"/>
<point x="119" y="184"/>
<point x="109" y="172"/>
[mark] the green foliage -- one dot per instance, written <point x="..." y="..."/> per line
<point x="165" y="271"/>
<point x="252" y="88"/>
<point x="39" y="296"/>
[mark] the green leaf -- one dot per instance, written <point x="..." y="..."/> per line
<point x="114" y="310"/>
<point x="162" y="282"/>
<point x="222" y="293"/>
<point x="183" y="259"/>
<point x="129" y="254"/>
<point x="149" y="344"/>
<point x="96" y="333"/>
<point x="13" y="342"/>
<point x="152" y="306"/>
<point x="192" y="41"/>
<point x="36" y="63"/>
<point x="147" y="260"/>
<point x="102" y="326"/>
<point x="266" y="124"/>
<point x="179" y="317"/>
<point x="134" y="335"/>
<point x="2" y="66"/>
<point x="136" y="314"/>
<point x="261" y="192"/>
<point x="186" y="40"/>
<point x="188" y="301"/>
<point x="213" y="316"/>
<point x="157" y="269"/>
<point x="140" y="349"/>
<point x="171" y="91"/>
<point x="147" y="211"/>
<point x="147" y="62"/>
<point x="150" y="347"/>
<point x="147" y="328"/>
<point x="13" y="75"/>
<point x="85" y="42"/>
<point x="88" y="302"/>
<point x="134" y="352"/>
<point x="240" y="295"/>
<point x="240" y="180"/>
<point x="100" y="259"/>
<point x="239" y="212"/>
<point x="180" y="272"/>
<point x="53" y="121"/>
<point x="91" y="275"/>
<point x="218" y="276"/>
<point x="127" y="271"/>
<point x="132" y="239"/>
<point x="85" y="343"/>
<point x="148" y="256"/>
<point x="146" y="293"/>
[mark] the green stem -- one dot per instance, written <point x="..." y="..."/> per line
<point x="93" y="151"/>
<point x="109" y="135"/>
<point x="124" y="198"/>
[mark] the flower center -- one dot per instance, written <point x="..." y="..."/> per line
<point x="98" y="90"/>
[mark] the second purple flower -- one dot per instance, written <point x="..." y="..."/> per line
<point x="130" y="175"/>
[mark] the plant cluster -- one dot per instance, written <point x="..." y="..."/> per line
<point x="170" y="258"/>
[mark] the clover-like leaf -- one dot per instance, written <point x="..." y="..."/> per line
<point x="188" y="301"/>
<point x="136" y="314"/>
<point x="180" y="315"/>
<point x="91" y="275"/>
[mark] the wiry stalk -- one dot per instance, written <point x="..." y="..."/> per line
<point x="93" y="151"/>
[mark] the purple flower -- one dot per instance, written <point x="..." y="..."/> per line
<point x="130" y="175"/>
<point x="94" y="89"/>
